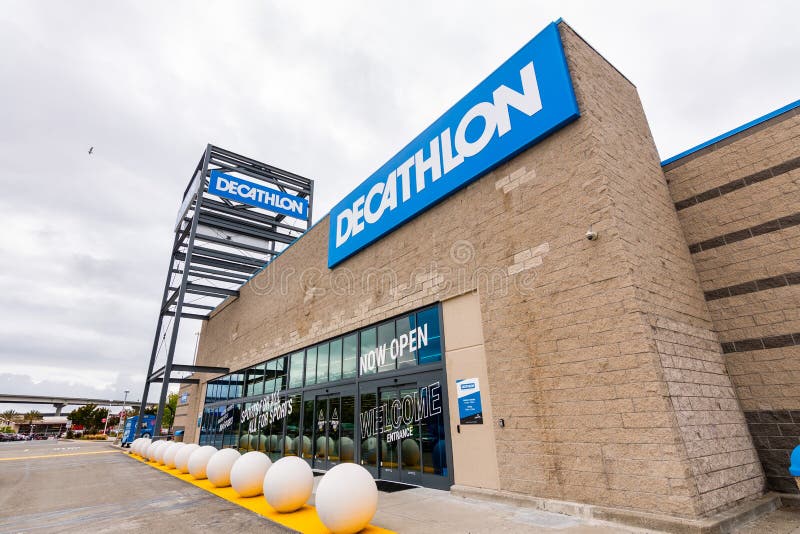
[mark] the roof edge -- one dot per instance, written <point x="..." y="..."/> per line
<point x="730" y="133"/>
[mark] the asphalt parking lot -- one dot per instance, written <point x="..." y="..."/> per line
<point x="72" y="486"/>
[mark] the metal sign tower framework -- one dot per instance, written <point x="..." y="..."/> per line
<point x="219" y="245"/>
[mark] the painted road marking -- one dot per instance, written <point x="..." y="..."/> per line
<point x="55" y="455"/>
<point x="304" y="520"/>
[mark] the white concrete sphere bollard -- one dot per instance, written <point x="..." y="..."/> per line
<point x="259" y="443"/>
<point x="182" y="458"/>
<point x="346" y="499"/>
<point x="346" y="449"/>
<point x="410" y="450"/>
<point x="169" y="457"/>
<point x="134" y="444"/>
<point x="247" y="474"/>
<point x="141" y="450"/>
<point x="198" y="461"/>
<point x="288" y="484"/>
<point x="286" y="446"/>
<point x="137" y="448"/>
<point x="325" y="446"/>
<point x="218" y="470"/>
<point x="244" y="442"/>
<point x="159" y="451"/>
<point x="273" y="443"/>
<point x="151" y="450"/>
<point x="163" y="451"/>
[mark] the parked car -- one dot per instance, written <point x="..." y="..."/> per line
<point x="5" y="436"/>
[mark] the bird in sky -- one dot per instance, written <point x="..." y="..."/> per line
<point x="91" y="149"/>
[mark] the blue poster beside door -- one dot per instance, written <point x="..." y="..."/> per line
<point x="470" y="411"/>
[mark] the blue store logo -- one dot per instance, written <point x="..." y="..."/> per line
<point x="234" y="188"/>
<point x="523" y="101"/>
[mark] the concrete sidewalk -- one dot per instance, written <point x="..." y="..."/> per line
<point x="424" y="510"/>
<point x="70" y="486"/>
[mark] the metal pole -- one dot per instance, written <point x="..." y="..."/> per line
<point x="119" y="422"/>
<point x="196" y="346"/>
<point x="137" y="432"/>
<point x="181" y="293"/>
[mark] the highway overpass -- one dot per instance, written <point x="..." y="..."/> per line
<point x="59" y="402"/>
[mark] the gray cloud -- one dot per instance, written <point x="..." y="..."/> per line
<point x="330" y="91"/>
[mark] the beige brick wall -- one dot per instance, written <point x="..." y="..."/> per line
<point x="767" y="381"/>
<point x="750" y="152"/>
<point x="743" y="208"/>
<point x="601" y="355"/>
<point x="758" y="257"/>
<point x="672" y="311"/>
<point x="764" y="313"/>
<point x="186" y="414"/>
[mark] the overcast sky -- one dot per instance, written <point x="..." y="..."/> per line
<point x="329" y="90"/>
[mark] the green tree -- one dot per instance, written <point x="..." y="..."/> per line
<point x="88" y="416"/>
<point x="169" y="410"/>
<point x="9" y="416"/>
<point x="149" y="410"/>
<point x="31" y="416"/>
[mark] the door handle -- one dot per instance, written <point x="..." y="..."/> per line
<point x="458" y="429"/>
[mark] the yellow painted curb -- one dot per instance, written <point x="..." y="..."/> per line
<point x="303" y="520"/>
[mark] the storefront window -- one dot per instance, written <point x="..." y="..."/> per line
<point x="245" y="441"/>
<point x="347" y="440"/>
<point x="434" y="452"/>
<point x="386" y="335"/>
<point x="367" y="357"/>
<point x="287" y="444"/>
<point x="369" y="445"/>
<point x="398" y="431"/>
<point x="304" y="442"/>
<point x="428" y="320"/>
<point x="236" y="385"/>
<point x="311" y="366"/>
<point x="296" y="370"/>
<point x="322" y="363"/>
<point x="269" y="376"/>
<point x="254" y="381"/>
<point x="349" y="355"/>
<point x="407" y="358"/>
<point x="280" y="373"/>
<point x="335" y="361"/>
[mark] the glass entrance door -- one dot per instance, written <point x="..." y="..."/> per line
<point x="332" y="429"/>
<point x="403" y="430"/>
<point x="400" y="443"/>
<point x="327" y="418"/>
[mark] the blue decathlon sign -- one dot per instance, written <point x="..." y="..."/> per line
<point x="527" y="98"/>
<point x="247" y="192"/>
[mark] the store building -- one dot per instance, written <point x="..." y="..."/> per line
<point x="554" y="316"/>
